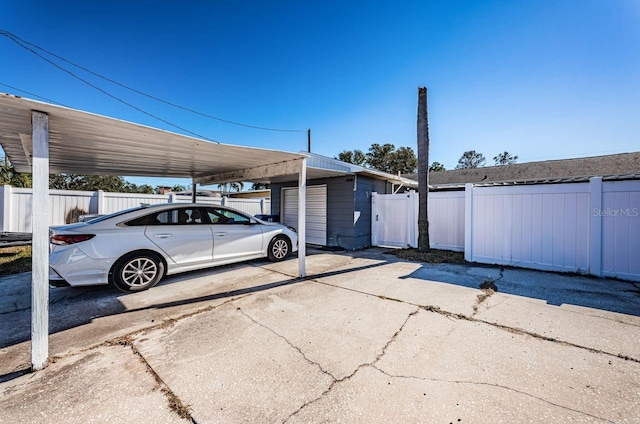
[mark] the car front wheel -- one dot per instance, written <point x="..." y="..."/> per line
<point x="279" y="248"/>
<point x="137" y="272"/>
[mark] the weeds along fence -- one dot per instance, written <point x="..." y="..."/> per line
<point x="65" y="206"/>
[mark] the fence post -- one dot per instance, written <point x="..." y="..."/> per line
<point x="223" y="202"/>
<point x="101" y="204"/>
<point x="595" y="226"/>
<point x="172" y="198"/>
<point x="6" y="208"/>
<point x="262" y="206"/>
<point x="468" y="222"/>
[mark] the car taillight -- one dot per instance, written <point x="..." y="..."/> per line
<point x="64" y="239"/>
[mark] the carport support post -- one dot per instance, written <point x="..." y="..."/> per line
<point x="40" y="242"/>
<point x="302" y="218"/>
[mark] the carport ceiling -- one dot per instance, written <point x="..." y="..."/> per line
<point x="85" y="143"/>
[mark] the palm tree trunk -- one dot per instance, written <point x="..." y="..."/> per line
<point x="423" y="170"/>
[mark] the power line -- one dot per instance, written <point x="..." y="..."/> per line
<point x="10" y="36"/>
<point x="33" y="94"/>
<point x="20" y="42"/>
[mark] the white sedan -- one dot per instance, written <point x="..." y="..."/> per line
<point x="134" y="249"/>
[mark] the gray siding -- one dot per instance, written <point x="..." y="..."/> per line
<point x="339" y="207"/>
<point x="348" y="211"/>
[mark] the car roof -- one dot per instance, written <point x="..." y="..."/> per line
<point x="129" y="214"/>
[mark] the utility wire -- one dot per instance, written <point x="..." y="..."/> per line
<point x="11" y="37"/>
<point x="20" y="42"/>
<point x="33" y="94"/>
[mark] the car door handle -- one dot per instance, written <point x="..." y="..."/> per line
<point x="220" y="234"/>
<point x="162" y="235"/>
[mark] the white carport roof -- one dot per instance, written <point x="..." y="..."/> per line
<point x="44" y="138"/>
<point x="86" y="143"/>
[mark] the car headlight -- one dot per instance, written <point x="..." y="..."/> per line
<point x="292" y="229"/>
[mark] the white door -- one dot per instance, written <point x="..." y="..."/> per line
<point x="316" y="212"/>
<point x="394" y="219"/>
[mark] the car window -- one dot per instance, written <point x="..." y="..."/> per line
<point x="179" y="216"/>
<point x="225" y="216"/>
<point x="112" y="215"/>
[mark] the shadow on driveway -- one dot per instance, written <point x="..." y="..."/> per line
<point x="74" y="307"/>
<point x="554" y="288"/>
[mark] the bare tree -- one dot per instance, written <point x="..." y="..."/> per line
<point x="423" y="170"/>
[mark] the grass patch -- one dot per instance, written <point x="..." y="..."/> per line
<point x="435" y="256"/>
<point x="14" y="260"/>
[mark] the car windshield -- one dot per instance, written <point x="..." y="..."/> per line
<point x="102" y="218"/>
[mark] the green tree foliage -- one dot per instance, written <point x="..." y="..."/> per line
<point x="387" y="159"/>
<point x="471" y="159"/>
<point x="380" y="156"/>
<point x="260" y="186"/>
<point x="505" y="158"/>
<point x="383" y="157"/>
<point x="356" y="157"/>
<point x="229" y="187"/>
<point x="110" y="183"/>
<point x="436" y="167"/>
<point x="9" y="175"/>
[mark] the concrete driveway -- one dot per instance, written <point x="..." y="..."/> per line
<point x="365" y="338"/>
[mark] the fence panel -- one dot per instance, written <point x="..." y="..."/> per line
<point x="620" y="216"/>
<point x="20" y="210"/>
<point x="541" y="226"/>
<point x="65" y="206"/>
<point x="446" y="220"/>
<point x="114" y="202"/>
<point x="250" y="206"/>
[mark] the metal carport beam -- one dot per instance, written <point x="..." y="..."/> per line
<point x="295" y="166"/>
<point x="258" y="173"/>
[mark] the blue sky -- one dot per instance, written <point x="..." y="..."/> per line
<point x="540" y="79"/>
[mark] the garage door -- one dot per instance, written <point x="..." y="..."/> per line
<point x="316" y="212"/>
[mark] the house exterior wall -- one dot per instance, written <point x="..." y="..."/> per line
<point x="348" y="208"/>
<point x="362" y="213"/>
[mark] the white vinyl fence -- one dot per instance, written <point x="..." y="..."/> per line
<point x="65" y="206"/>
<point x="589" y="227"/>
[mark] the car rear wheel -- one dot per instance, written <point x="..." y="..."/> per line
<point x="137" y="272"/>
<point x="279" y="248"/>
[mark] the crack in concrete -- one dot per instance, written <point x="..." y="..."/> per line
<point x="358" y="368"/>
<point x="288" y="342"/>
<point x="472" y="318"/>
<point x="175" y="403"/>
<point x="486" y="294"/>
<point x="520" y="331"/>
<point x="500" y="386"/>
<point x="117" y="340"/>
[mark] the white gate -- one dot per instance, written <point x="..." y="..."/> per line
<point x="393" y="219"/>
